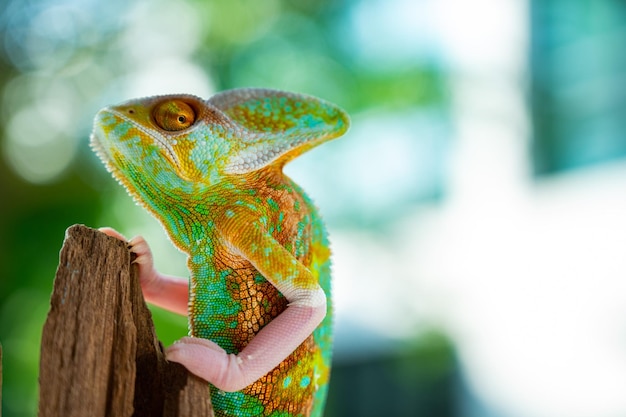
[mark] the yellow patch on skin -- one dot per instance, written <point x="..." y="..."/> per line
<point x="189" y="170"/>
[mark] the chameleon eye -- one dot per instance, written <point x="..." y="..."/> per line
<point x="174" y="115"/>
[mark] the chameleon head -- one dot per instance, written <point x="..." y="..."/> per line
<point x="183" y="142"/>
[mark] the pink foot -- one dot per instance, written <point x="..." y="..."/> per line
<point x="171" y="293"/>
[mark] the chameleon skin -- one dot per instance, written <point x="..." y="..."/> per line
<point x="211" y="173"/>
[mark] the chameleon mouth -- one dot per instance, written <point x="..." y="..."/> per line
<point x="100" y="134"/>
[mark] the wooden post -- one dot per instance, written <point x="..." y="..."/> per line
<point x="99" y="351"/>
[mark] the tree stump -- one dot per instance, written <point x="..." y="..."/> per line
<point x="99" y="353"/>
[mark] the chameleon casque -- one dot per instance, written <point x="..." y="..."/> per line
<point x="258" y="298"/>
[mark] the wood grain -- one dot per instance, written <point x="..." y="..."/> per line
<point x="99" y="354"/>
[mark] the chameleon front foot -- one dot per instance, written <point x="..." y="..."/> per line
<point x="168" y="292"/>
<point x="139" y="246"/>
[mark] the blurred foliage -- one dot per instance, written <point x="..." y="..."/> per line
<point x="578" y="105"/>
<point x="62" y="60"/>
<point x="416" y="380"/>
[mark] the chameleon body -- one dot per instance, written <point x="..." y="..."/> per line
<point x="259" y="291"/>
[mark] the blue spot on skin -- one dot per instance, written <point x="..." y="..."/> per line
<point x="198" y="259"/>
<point x="263" y="220"/>
<point x="286" y="382"/>
<point x="305" y="381"/>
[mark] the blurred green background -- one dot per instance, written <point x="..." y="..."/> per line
<point x="475" y="207"/>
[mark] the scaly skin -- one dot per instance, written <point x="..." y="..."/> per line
<point x="259" y="295"/>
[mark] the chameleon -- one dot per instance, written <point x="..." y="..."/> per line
<point x="258" y="298"/>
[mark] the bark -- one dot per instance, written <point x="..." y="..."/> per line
<point x="99" y="354"/>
